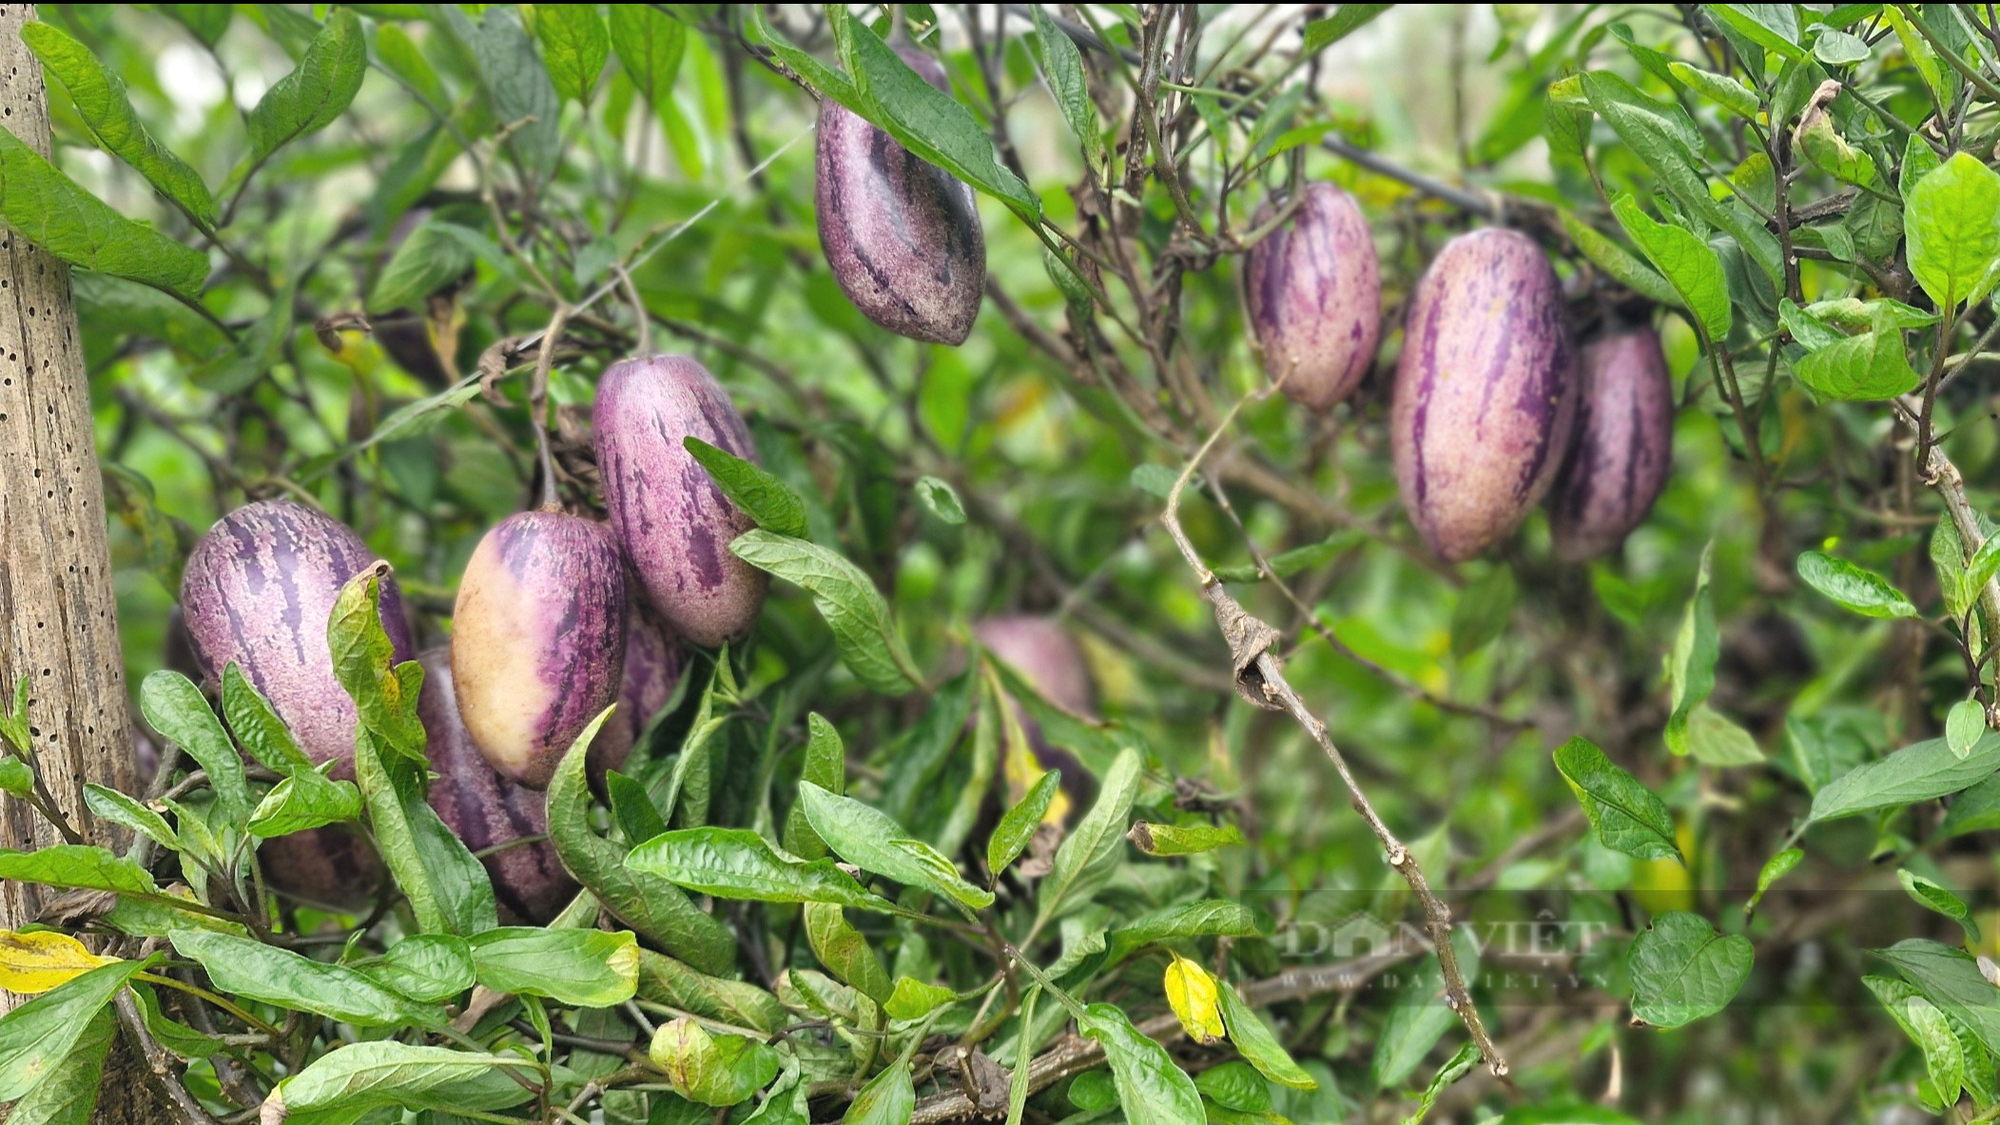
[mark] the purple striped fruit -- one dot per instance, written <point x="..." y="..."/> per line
<point x="901" y="235"/>
<point x="258" y="590"/>
<point x="485" y="810"/>
<point x="537" y="639"/>
<point x="1315" y="295"/>
<point x="654" y="661"/>
<point x="332" y="867"/>
<point x="1624" y="445"/>
<point x="673" y="523"/>
<point x="1484" y="392"/>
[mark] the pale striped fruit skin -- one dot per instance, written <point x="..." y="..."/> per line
<point x="484" y="809"/>
<point x="538" y="639"/>
<point x="672" y="522"/>
<point x="258" y="590"/>
<point x="1624" y="445"/>
<point x="1485" y="392"/>
<point x="900" y="234"/>
<point x="1314" y="290"/>
<point x="654" y="662"/>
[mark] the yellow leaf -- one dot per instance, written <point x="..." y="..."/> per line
<point x="36" y="962"/>
<point x="1191" y="991"/>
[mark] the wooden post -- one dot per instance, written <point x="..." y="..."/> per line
<point x="58" y="611"/>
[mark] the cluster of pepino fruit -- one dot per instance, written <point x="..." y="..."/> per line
<point x="1494" y="405"/>
<point x="558" y="616"/>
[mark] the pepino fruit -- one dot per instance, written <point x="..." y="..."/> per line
<point x="672" y="522"/>
<point x="258" y="590"/>
<point x="1484" y="392"/>
<point x="1624" y="445"/>
<point x="538" y="639"/>
<point x="1047" y="656"/>
<point x="1314" y="290"/>
<point x="901" y="235"/>
<point x="654" y="661"/>
<point x="485" y="810"/>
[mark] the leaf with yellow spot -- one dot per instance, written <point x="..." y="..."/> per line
<point x="33" y="963"/>
<point x="1191" y="992"/>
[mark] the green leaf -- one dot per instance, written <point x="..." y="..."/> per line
<point x="1062" y="68"/>
<point x="1182" y="839"/>
<point x="1020" y="823"/>
<point x="14" y="719"/>
<point x="1774" y="27"/>
<point x="1975" y="810"/>
<point x="1952" y="223"/>
<point x="1613" y="259"/>
<point x="50" y="210"/>
<point x="1689" y="264"/>
<point x="1145" y="1075"/>
<point x="67" y="1093"/>
<point x="663" y="980"/>
<point x="736" y="863"/>
<point x="889" y="1099"/>
<point x="1666" y="140"/>
<point x="632" y="808"/>
<point x="176" y="708"/>
<point x="77" y="867"/>
<point x="1943" y="1058"/>
<point x="1859" y="590"/>
<point x="654" y="907"/>
<point x="1203" y="918"/>
<point x="316" y="92"/>
<point x="99" y="95"/>
<point x="17" y="778"/>
<point x="36" y="1037"/>
<point x="1775" y="868"/>
<point x="584" y="968"/>
<point x="867" y="838"/>
<point x="650" y="45"/>
<point x="940" y="499"/>
<point x="1919" y="52"/>
<point x="1935" y="897"/>
<point x="844" y="952"/>
<point x="1626" y="815"/>
<point x="1721" y="89"/>
<point x="516" y="83"/>
<point x="428" y="968"/>
<point x="1484" y="607"/>
<point x="715" y="1070"/>
<point x="1828" y="151"/>
<point x="207" y="22"/>
<point x="1323" y="33"/>
<point x="1682" y="970"/>
<point x="1866" y="367"/>
<point x="1313" y="556"/>
<point x="270" y="975"/>
<point x="1691" y="664"/>
<point x="1091" y="850"/>
<point x="1415" y="1023"/>
<point x="863" y="629"/>
<point x="257" y="727"/>
<point x="759" y="494"/>
<point x="117" y="808"/>
<point x="1235" y="1085"/>
<point x="574" y="46"/>
<point x="345" y="1085"/>
<point x="431" y="258"/>
<point x="1093" y="1091"/>
<point x="307" y="799"/>
<point x="1838" y="48"/>
<point x="826" y="767"/>
<point x="1964" y="726"/>
<point x="448" y="889"/>
<point x="1950" y="979"/>
<point x="1714" y="740"/>
<point x="912" y="999"/>
<point x="1455" y="1068"/>
<point x="1921" y="772"/>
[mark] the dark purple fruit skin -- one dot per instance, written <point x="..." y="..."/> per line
<point x="1314" y="288"/>
<point x="1485" y="392"/>
<point x="484" y="809"/>
<point x="258" y="590"/>
<point x="538" y="639"/>
<point x="331" y="867"/>
<point x="901" y="235"/>
<point x="1624" y="445"/>
<point x="654" y="661"/>
<point x="672" y="522"/>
